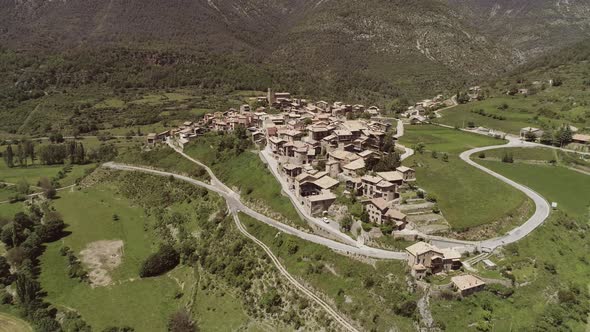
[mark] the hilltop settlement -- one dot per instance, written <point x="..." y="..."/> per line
<point x="324" y="151"/>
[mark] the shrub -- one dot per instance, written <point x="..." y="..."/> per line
<point x="406" y="308"/>
<point x="507" y="158"/>
<point x="431" y="198"/>
<point x="181" y="322"/>
<point x="435" y="209"/>
<point x="160" y="262"/>
<point x="367" y="226"/>
<point x="482" y="155"/>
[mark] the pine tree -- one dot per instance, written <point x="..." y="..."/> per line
<point x="27" y="290"/>
<point x="72" y="152"/>
<point x="80" y="154"/>
<point x="9" y="157"/>
<point x="20" y="154"/>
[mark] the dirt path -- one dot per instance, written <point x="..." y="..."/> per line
<point x="424" y="309"/>
<point x="310" y="294"/>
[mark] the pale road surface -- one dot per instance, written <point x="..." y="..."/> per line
<point x="234" y="202"/>
<point x="337" y="317"/>
<point x="332" y="227"/>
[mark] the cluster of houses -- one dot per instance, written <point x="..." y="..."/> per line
<point x="426" y="259"/>
<point x="318" y="146"/>
<point x="418" y="113"/>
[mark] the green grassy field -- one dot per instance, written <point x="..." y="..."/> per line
<point x="33" y="173"/>
<point x="522" y="154"/>
<point x="7" y="191"/>
<point x="570" y="189"/>
<point x="9" y="323"/>
<point x="466" y="196"/>
<point x="552" y="258"/>
<point x="249" y="174"/>
<point x="445" y="140"/>
<point x="342" y="279"/>
<point x="163" y="158"/>
<point x="8" y="210"/>
<point x="142" y="303"/>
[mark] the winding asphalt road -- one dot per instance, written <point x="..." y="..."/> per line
<point x="234" y="202"/>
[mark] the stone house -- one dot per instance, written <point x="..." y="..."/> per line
<point x="467" y="284"/>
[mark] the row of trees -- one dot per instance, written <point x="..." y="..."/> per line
<point x="57" y="153"/>
<point x="24" y="236"/>
<point x="561" y="137"/>
<point x="24" y="151"/>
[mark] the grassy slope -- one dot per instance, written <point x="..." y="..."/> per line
<point x="341" y="277"/>
<point x="163" y="158"/>
<point x="467" y="197"/>
<point x="9" y="323"/>
<point x="137" y="303"/>
<point x="249" y="174"/>
<point x="552" y="243"/>
<point x="548" y="108"/>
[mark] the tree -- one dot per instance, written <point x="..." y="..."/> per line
<point x="346" y="223"/>
<point x="445" y="157"/>
<point x="27" y="290"/>
<point x="22" y="187"/>
<point x="529" y="136"/>
<point x="56" y="138"/>
<point x="29" y="150"/>
<point x="20" y="155"/>
<point x="547" y="137"/>
<point x="5" y="275"/>
<point x="388" y="143"/>
<point x="160" y="262"/>
<point x="9" y="157"/>
<point x="419" y="147"/>
<point x="52" y="230"/>
<point x="434" y="154"/>
<point x="482" y="155"/>
<point x="507" y="158"/>
<point x="181" y="321"/>
<point x="564" y="135"/>
<point x="49" y="190"/>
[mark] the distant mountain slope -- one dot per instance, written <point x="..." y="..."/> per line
<point x="529" y="27"/>
<point x="354" y="49"/>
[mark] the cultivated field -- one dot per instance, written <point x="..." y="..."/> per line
<point x="466" y="196"/>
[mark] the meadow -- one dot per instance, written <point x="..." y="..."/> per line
<point x="32" y="173"/>
<point x="568" y="188"/>
<point x="142" y="303"/>
<point x="466" y="196"/>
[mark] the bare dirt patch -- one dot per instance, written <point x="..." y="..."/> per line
<point x="101" y="257"/>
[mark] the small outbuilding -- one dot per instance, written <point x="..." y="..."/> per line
<point x="467" y="284"/>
